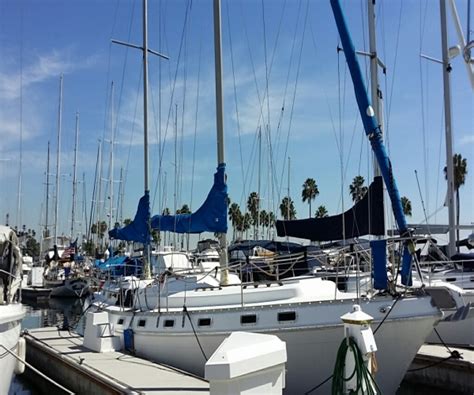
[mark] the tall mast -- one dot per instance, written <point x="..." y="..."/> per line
<point x="448" y="127"/>
<point x="111" y="174"/>
<point x="74" y="177"/>
<point x="47" y="196"/>
<point x="146" y="251"/>
<point x="220" y="127"/>
<point x="145" y="50"/>
<point x="376" y="94"/>
<point x="58" y="160"/>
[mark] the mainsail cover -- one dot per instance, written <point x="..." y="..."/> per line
<point x="364" y="218"/>
<point x="210" y="217"/>
<point x="138" y="229"/>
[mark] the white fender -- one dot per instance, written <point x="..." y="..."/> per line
<point x="21" y="353"/>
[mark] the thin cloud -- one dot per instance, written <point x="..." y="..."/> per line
<point x="466" y="140"/>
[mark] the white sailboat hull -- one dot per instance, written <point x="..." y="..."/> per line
<point x="10" y="326"/>
<point x="460" y="333"/>
<point x="312" y="337"/>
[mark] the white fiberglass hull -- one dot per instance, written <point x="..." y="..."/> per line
<point x="459" y="333"/>
<point x="312" y="337"/>
<point x="10" y="325"/>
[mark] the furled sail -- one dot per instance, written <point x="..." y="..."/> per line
<point x="210" y="217"/>
<point x="364" y="218"/>
<point x="138" y="229"/>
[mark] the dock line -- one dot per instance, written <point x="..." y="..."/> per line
<point x="37" y="371"/>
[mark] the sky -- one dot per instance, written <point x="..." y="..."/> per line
<point x="289" y="109"/>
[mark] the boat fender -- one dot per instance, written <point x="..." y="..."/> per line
<point x="21" y="354"/>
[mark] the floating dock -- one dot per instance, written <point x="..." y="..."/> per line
<point x="61" y="356"/>
<point x="450" y="369"/>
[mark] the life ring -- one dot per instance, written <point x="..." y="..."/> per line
<point x="21" y="354"/>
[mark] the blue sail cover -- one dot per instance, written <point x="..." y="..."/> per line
<point x="210" y="217"/>
<point x="372" y="130"/>
<point x="138" y="229"/>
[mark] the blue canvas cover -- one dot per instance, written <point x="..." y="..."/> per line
<point x="138" y="229"/>
<point x="210" y="217"/>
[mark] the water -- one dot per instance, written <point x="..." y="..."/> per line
<point x="52" y="312"/>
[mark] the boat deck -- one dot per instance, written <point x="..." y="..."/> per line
<point x="61" y="356"/>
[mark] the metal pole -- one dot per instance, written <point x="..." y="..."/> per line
<point x="220" y="127"/>
<point x="58" y="160"/>
<point x="74" y="177"/>
<point x="146" y="252"/>
<point x="374" y="79"/>
<point x="448" y="128"/>
<point x="47" y="196"/>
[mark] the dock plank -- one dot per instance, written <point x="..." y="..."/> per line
<point x="129" y="373"/>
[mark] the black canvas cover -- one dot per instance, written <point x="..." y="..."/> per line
<point x="364" y="218"/>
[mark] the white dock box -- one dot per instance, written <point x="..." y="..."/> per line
<point x="247" y="363"/>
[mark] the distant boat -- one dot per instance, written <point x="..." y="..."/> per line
<point x="184" y="328"/>
<point x="11" y="310"/>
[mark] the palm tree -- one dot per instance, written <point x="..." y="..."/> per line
<point x="309" y="192"/>
<point x="253" y="204"/>
<point x="234" y="215"/>
<point x="183" y="210"/>
<point x="264" y="220"/>
<point x="357" y="189"/>
<point x="460" y="172"/>
<point x="287" y="208"/>
<point x="321" y="212"/>
<point x="247" y="221"/>
<point x="271" y="222"/>
<point x="406" y="206"/>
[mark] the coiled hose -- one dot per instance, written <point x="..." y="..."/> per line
<point x="365" y="382"/>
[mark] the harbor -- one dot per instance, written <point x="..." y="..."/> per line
<point x="169" y="250"/>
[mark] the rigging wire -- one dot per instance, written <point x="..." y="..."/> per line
<point x="296" y="84"/>
<point x="173" y="87"/>
<point x="239" y="131"/>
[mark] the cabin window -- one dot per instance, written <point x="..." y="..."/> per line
<point x="204" y="322"/>
<point x="142" y="323"/>
<point x="451" y="279"/>
<point x="168" y="323"/>
<point x="120" y="321"/>
<point x="287" y="316"/>
<point x="248" y="319"/>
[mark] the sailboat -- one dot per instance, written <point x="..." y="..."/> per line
<point x="455" y="268"/>
<point x="11" y="310"/>
<point x="184" y="328"/>
<point x="59" y="274"/>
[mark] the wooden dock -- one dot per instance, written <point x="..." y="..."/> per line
<point x="61" y="356"/>
<point x="451" y="370"/>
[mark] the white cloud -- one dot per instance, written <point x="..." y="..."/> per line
<point x="466" y="140"/>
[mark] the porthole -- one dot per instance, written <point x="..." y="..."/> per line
<point x="204" y="322"/>
<point x="248" y="319"/>
<point x="120" y="321"/>
<point x="168" y="323"/>
<point x="141" y="323"/>
<point x="286" y="316"/>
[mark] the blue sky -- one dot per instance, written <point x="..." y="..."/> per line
<point x="276" y="54"/>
